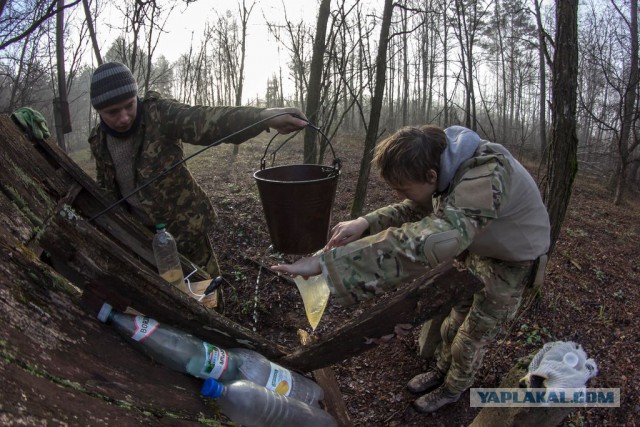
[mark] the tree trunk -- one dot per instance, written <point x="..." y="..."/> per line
<point x="92" y="31"/>
<point x="629" y="107"/>
<point x="315" y="82"/>
<point x="61" y="105"/>
<point x="376" y="107"/>
<point x="563" y="164"/>
<point x="543" y="82"/>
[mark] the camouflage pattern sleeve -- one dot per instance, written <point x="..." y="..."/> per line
<point x="395" y="215"/>
<point x="372" y="265"/>
<point x="202" y="125"/>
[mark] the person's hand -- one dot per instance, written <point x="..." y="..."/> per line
<point x="285" y="123"/>
<point x="346" y="232"/>
<point x="305" y="267"/>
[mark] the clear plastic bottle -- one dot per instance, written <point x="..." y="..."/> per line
<point x="165" y="251"/>
<point x="183" y="352"/>
<point x="251" y="405"/>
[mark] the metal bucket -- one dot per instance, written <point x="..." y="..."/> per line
<point x="297" y="202"/>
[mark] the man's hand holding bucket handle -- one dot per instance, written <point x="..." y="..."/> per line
<point x="341" y="234"/>
<point x="285" y="120"/>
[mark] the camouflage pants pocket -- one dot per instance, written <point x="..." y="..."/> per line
<point x="491" y="308"/>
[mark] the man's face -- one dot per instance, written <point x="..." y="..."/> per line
<point x="419" y="192"/>
<point x="120" y="116"/>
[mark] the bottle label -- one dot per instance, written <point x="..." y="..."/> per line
<point x="145" y="326"/>
<point x="279" y="380"/>
<point x="215" y="361"/>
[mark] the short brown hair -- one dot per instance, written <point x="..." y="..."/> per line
<point x="409" y="154"/>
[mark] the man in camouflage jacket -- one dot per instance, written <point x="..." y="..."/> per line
<point x="137" y="140"/>
<point x="461" y="194"/>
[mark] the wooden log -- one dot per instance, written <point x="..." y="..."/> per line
<point x="430" y="336"/>
<point x="423" y="299"/>
<point x="107" y="263"/>
<point x="60" y="365"/>
<point x="326" y="378"/>
<point x="102" y="266"/>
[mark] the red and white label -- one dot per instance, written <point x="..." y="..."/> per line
<point x="145" y="326"/>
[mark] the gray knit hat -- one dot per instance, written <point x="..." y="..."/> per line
<point x="111" y="83"/>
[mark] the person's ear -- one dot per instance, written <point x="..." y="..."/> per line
<point x="433" y="176"/>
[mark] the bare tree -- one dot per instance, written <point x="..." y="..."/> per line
<point x="629" y="119"/>
<point x="543" y="59"/>
<point x="376" y="106"/>
<point x="468" y="18"/>
<point x="562" y="165"/>
<point x="609" y="92"/>
<point x="24" y="18"/>
<point x="60" y="103"/>
<point x="315" y="81"/>
<point x="92" y="31"/>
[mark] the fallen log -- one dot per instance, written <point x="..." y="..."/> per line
<point x="433" y="294"/>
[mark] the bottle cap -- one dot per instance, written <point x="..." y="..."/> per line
<point x="104" y="313"/>
<point x="160" y="226"/>
<point x="212" y="388"/>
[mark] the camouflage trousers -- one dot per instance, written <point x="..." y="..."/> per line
<point x="475" y="322"/>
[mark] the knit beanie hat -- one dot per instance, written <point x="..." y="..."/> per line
<point x="111" y="83"/>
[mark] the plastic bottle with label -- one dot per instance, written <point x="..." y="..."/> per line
<point x="183" y="352"/>
<point x="251" y="405"/>
<point x="165" y="251"/>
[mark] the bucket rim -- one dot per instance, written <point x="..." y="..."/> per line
<point x="334" y="175"/>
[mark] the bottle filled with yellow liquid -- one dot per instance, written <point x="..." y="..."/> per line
<point x="176" y="278"/>
<point x="165" y="252"/>
<point x="315" y="295"/>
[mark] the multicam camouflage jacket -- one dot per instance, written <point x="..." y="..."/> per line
<point x="175" y="199"/>
<point x="493" y="204"/>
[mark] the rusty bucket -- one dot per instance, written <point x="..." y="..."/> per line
<point x="297" y="202"/>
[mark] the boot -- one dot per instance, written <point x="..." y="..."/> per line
<point x="426" y="381"/>
<point x="433" y="401"/>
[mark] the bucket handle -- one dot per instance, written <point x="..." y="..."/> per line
<point x="336" y="164"/>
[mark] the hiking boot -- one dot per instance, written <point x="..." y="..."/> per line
<point x="433" y="401"/>
<point x="426" y="381"/>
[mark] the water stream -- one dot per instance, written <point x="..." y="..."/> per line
<point x="257" y="293"/>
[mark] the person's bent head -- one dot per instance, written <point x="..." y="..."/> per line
<point x="409" y="160"/>
<point x="114" y="95"/>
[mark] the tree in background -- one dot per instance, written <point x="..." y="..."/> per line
<point x="609" y="89"/>
<point x="315" y="82"/>
<point x="376" y="106"/>
<point x="562" y="165"/>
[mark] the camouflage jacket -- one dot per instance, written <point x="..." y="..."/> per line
<point x="175" y="199"/>
<point x="492" y="202"/>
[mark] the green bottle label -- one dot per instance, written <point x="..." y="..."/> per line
<point x="216" y="361"/>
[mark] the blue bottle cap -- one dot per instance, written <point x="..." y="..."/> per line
<point x="104" y="313"/>
<point x="212" y="388"/>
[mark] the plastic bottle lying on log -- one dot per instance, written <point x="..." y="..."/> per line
<point x="183" y="352"/>
<point x="251" y="405"/>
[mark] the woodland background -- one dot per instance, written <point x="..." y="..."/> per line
<point x="364" y="68"/>
<point x="557" y="83"/>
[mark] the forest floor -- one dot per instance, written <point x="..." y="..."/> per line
<point x="590" y="294"/>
